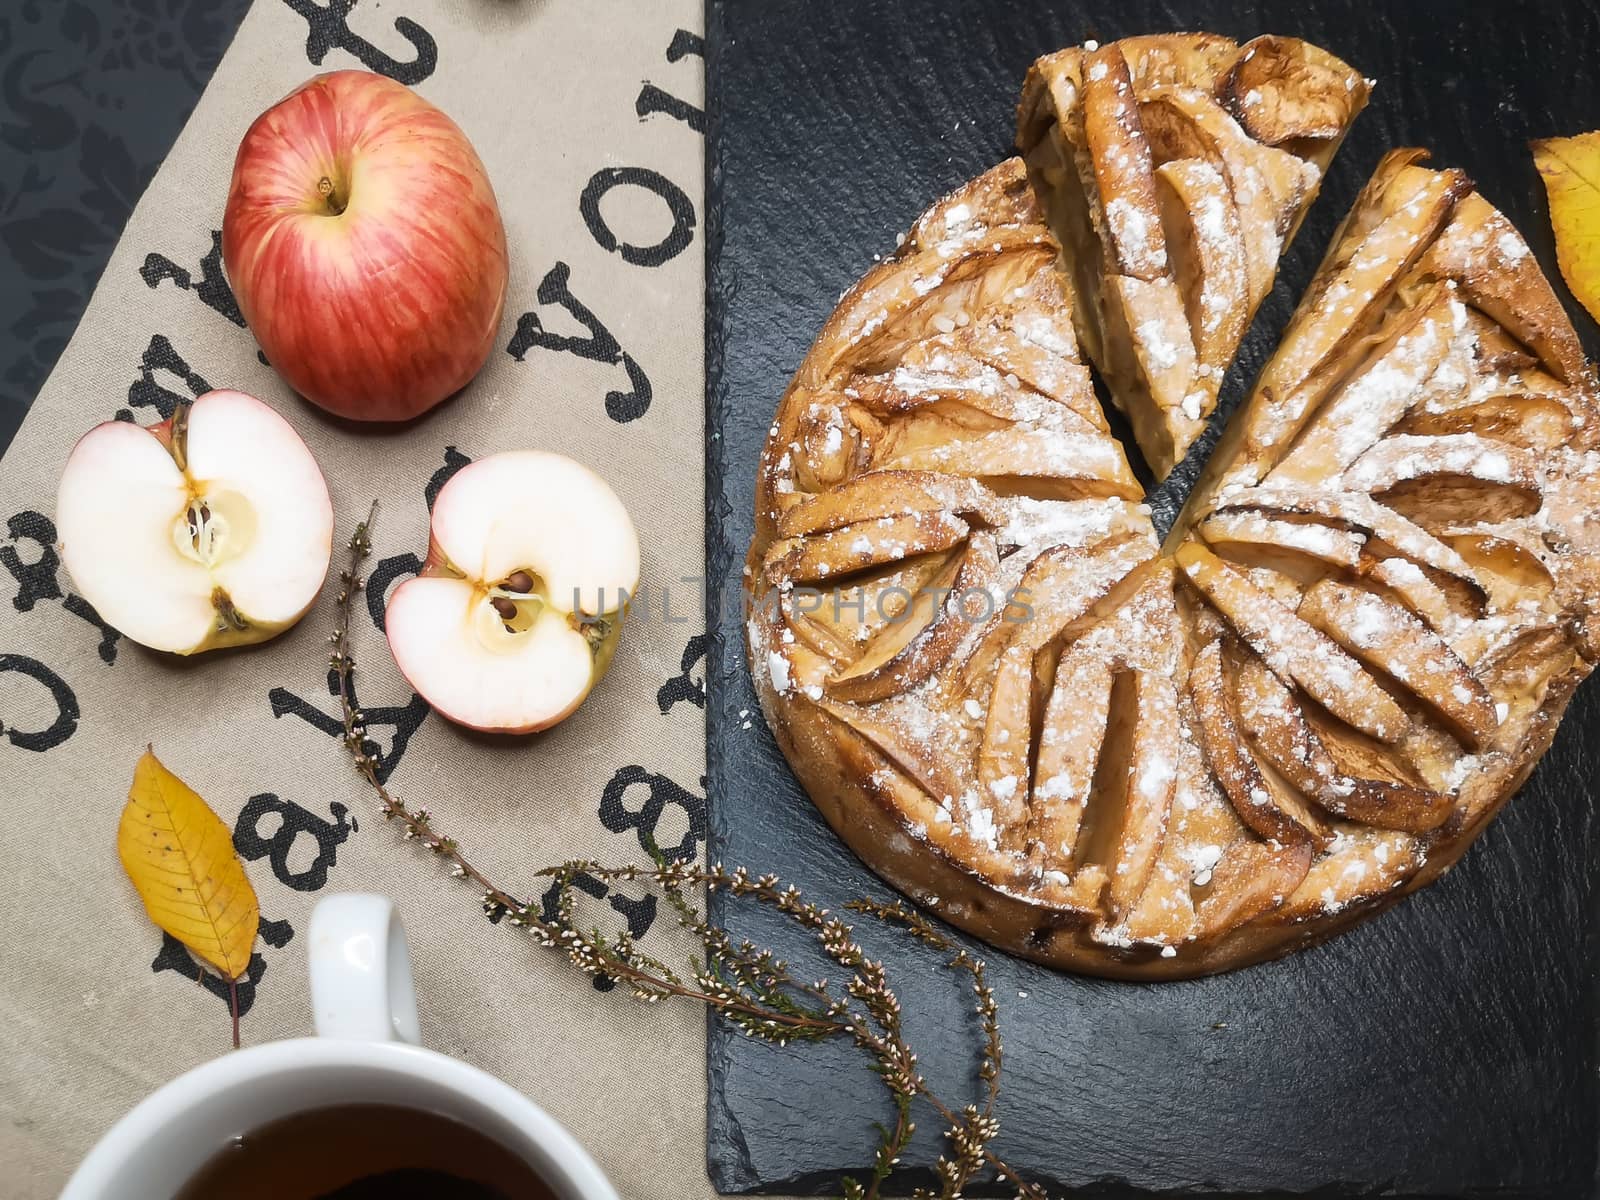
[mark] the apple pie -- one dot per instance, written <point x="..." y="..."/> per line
<point x="1156" y="761"/>
<point x="1175" y="169"/>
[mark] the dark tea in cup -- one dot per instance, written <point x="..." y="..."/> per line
<point x="365" y="1152"/>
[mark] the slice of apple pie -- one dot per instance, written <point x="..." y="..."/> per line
<point x="1157" y="762"/>
<point x="1174" y="170"/>
<point x="1396" y="549"/>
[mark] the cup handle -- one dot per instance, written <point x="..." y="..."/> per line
<point x="361" y="985"/>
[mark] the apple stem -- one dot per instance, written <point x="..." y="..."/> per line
<point x="178" y="435"/>
<point x="328" y="192"/>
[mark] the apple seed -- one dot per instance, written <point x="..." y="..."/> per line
<point x="518" y="581"/>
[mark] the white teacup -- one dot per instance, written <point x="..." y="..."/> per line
<point x="366" y="1052"/>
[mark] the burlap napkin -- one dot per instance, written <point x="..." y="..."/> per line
<point x="588" y="118"/>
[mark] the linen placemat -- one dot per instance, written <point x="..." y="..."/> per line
<point x="589" y="118"/>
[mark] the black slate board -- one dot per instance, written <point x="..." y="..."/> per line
<point x="1447" y="1047"/>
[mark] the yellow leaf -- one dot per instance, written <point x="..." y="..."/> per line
<point x="180" y="857"/>
<point x="1571" y="170"/>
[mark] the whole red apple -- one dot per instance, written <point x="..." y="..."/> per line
<point x="364" y="246"/>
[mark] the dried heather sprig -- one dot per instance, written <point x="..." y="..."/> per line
<point x="748" y="986"/>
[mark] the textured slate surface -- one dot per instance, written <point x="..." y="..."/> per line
<point x="1445" y="1048"/>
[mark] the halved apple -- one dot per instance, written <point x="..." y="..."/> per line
<point x="211" y="529"/>
<point x="516" y="613"/>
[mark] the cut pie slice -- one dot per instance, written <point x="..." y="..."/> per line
<point x="1174" y="170"/>
<point x="1413" y="481"/>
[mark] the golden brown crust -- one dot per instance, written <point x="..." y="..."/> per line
<point x="1011" y="705"/>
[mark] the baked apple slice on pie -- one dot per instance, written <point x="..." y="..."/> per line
<point x="1175" y="170"/>
<point x="1416" y="475"/>
<point x="1155" y="762"/>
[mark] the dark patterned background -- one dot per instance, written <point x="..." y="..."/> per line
<point x="92" y="95"/>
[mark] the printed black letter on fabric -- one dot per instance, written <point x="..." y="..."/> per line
<point x="147" y="393"/>
<point x="66" y="718"/>
<point x="330" y="27"/>
<point x="684" y="44"/>
<point x="397" y="567"/>
<point x="639" y="913"/>
<point x="79" y="607"/>
<point x="454" y="460"/>
<point x="405" y="720"/>
<point x="684" y="686"/>
<point x="599" y="346"/>
<point x="383" y="577"/>
<point x="679" y="208"/>
<point x="173" y="957"/>
<point x="276" y="934"/>
<point x="276" y="846"/>
<point x="213" y="288"/>
<point x="38" y="578"/>
<point x="653" y="100"/>
<point x="661" y="791"/>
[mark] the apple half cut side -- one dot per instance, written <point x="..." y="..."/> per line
<point x="210" y="529"/>
<point x="515" y="615"/>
